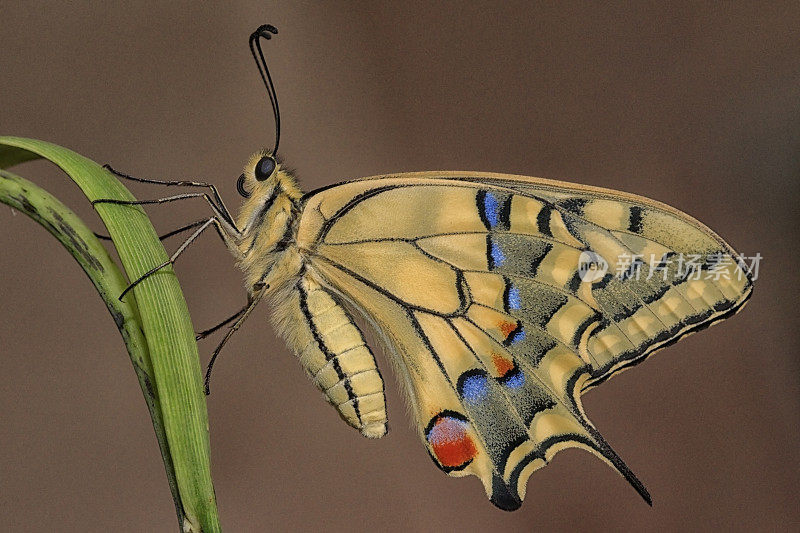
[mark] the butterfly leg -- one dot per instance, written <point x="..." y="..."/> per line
<point x="252" y="301"/>
<point x="224" y="224"/>
<point x="203" y="334"/>
<point x="206" y="224"/>
<point x="166" y="235"/>
<point x="220" y="205"/>
<point x="223" y="215"/>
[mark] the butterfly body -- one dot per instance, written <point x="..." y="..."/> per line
<point x="499" y="299"/>
<point x="310" y="317"/>
<point x="472" y="282"/>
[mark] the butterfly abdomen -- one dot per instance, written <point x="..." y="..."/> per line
<point x="333" y="352"/>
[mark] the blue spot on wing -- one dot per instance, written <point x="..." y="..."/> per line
<point x="448" y="430"/>
<point x="491" y="209"/>
<point x="517" y="336"/>
<point x="514" y="380"/>
<point x="514" y="301"/>
<point x="474" y="387"/>
<point x="498" y="257"/>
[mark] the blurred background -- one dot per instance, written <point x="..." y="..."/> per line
<point x="693" y="104"/>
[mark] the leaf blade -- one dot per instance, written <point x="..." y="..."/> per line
<point x="164" y="318"/>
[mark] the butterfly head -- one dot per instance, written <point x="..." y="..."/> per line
<point x="266" y="184"/>
<point x="260" y="174"/>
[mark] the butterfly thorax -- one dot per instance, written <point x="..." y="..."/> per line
<point x="268" y="223"/>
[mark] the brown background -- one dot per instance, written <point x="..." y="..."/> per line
<point x="695" y="106"/>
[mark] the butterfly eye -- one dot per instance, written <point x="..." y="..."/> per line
<point x="240" y="187"/>
<point x="264" y="168"/>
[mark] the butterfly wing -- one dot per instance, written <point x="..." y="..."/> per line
<point x="478" y="285"/>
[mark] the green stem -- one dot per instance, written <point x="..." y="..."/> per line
<point x="166" y="359"/>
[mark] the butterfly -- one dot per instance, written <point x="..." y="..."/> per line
<point x="499" y="299"/>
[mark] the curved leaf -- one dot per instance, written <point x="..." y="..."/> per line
<point x="177" y="391"/>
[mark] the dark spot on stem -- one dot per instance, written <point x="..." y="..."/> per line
<point x="118" y="317"/>
<point x="26" y="205"/>
<point x="77" y="242"/>
<point x="151" y="392"/>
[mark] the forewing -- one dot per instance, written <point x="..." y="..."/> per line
<point x="475" y="282"/>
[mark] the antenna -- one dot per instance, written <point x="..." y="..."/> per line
<point x="266" y="31"/>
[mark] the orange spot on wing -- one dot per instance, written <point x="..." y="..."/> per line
<point x="502" y="364"/>
<point x="507" y="327"/>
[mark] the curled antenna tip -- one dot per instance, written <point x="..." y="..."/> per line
<point x="266" y="31"/>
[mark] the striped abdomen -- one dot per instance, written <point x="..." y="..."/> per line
<point x="332" y="350"/>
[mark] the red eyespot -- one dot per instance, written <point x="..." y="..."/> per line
<point x="450" y="442"/>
